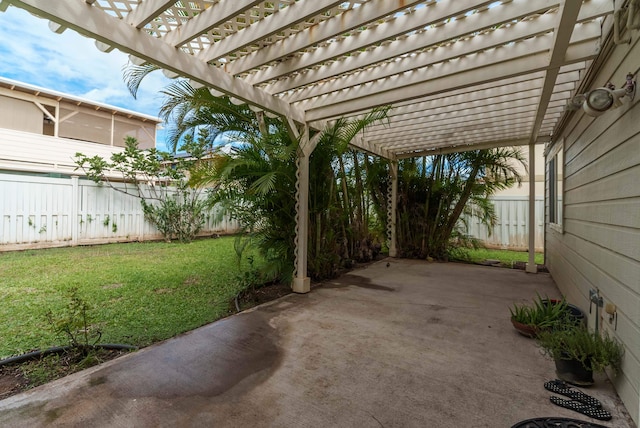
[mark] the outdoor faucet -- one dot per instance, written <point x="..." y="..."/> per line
<point x="594" y="297"/>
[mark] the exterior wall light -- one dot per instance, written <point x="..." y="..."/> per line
<point x="599" y="100"/>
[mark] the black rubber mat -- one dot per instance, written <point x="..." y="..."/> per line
<point x="551" y="422"/>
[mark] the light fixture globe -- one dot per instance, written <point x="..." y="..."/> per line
<point x="598" y="101"/>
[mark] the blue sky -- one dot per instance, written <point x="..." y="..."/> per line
<point x="70" y="63"/>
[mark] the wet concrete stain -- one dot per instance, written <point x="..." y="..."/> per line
<point x="357" y="281"/>
<point x="99" y="380"/>
<point x="219" y="357"/>
<point x="220" y="361"/>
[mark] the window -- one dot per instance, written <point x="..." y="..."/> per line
<point x="555" y="167"/>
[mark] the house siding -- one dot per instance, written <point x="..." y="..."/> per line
<point x="598" y="246"/>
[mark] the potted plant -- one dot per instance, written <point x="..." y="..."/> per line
<point x="578" y="352"/>
<point x="544" y="314"/>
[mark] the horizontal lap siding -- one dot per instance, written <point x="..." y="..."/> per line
<point x="599" y="246"/>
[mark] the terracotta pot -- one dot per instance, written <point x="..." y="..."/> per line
<point x="530" y="331"/>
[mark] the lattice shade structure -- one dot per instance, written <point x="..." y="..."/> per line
<point x="458" y="74"/>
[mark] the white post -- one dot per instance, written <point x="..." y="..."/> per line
<point x="75" y="209"/>
<point x="113" y="128"/>
<point x="56" y="123"/>
<point x="301" y="282"/>
<point x="393" y="250"/>
<point x="531" y="264"/>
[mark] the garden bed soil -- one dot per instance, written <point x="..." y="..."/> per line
<point x="15" y="378"/>
<point x="258" y="296"/>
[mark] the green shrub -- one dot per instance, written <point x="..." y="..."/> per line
<point x="161" y="182"/>
<point x="576" y="342"/>
<point x="544" y="313"/>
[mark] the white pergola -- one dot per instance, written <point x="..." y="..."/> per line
<point x="459" y="74"/>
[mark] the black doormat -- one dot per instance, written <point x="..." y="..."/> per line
<point x="556" y="423"/>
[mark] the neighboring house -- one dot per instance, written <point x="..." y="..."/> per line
<point x="593" y="210"/>
<point x="42" y="130"/>
<point x="44" y="201"/>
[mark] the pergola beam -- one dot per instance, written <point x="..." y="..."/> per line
<point x="521" y="116"/>
<point x="364" y="145"/>
<point x="468" y="95"/>
<point x="524" y="57"/>
<point x="446" y="65"/>
<point x="292" y="15"/>
<point x="503" y="110"/>
<point x="147" y="11"/>
<point x="446" y="150"/>
<point x="457" y="137"/>
<point x="464" y="145"/>
<point x="512" y="85"/>
<point x="589" y="31"/>
<point x="214" y="16"/>
<point x="92" y="22"/>
<point x="562" y="36"/>
<point x="508" y="12"/>
<point x="429" y="15"/>
<point x="499" y="103"/>
<point x="349" y="20"/>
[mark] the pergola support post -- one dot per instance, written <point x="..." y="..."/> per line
<point x="301" y="282"/>
<point x="531" y="264"/>
<point x="391" y="209"/>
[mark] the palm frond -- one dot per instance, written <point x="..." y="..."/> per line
<point x="133" y="75"/>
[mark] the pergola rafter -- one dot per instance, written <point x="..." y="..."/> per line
<point x="270" y="25"/>
<point x="350" y="20"/>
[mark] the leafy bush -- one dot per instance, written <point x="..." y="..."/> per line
<point x="160" y="181"/>
<point x="576" y="342"/>
<point x="543" y="314"/>
<point x="74" y="323"/>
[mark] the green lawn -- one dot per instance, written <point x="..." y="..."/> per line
<point x="506" y="257"/>
<point x="140" y="292"/>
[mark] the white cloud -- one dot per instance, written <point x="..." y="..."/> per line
<point x="69" y="63"/>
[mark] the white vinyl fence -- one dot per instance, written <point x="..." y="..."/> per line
<point x="38" y="212"/>
<point x="511" y="231"/>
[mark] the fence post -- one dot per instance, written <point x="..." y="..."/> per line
<point x="75" y="208"/>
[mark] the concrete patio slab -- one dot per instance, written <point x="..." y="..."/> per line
<point x="412" y="344"/>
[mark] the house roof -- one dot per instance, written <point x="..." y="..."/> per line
<point x="14" y="85"/>
<point x="458" y="74"/>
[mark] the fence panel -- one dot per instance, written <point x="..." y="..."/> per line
<point x="511" y="230"/>
<point x="42" y="211"/>
<point x="34" y="209"/>
<point x="38" y="212"/>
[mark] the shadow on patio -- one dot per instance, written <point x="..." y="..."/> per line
<point x="406" y="344"/>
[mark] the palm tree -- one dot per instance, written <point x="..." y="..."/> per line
<point x="348" y="190"/>
<point x="256" y="181"/>
<point x="434" y="192"/>
<point x="339" y="214"/>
